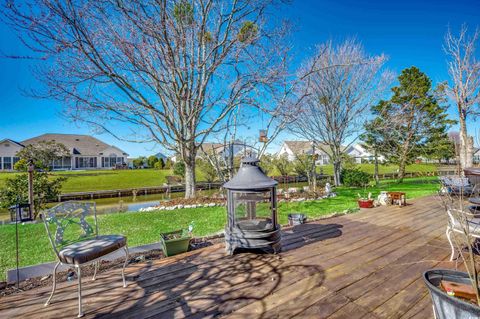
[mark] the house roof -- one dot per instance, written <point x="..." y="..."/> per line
<point x="76" y="143"/>
<point x="299" y="147"/>
<point x="219" y="148"/>
<point x="161" y="156"/>
<point x="11" y="141"/>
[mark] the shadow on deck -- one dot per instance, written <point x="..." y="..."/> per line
<point x="365" y="265"/>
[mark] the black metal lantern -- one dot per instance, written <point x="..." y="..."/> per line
<point x="252" y="209"/>
<point x="21" y="213"/>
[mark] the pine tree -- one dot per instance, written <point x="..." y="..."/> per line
<point x="412" y="123"/>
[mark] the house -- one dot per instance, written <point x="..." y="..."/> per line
<point x="8" y="153"/>
<point x="238" y="148"/>
<point x="221" y="150"/>
<point x="292" y="149"/>
<point x="476" y="155"/>
<point x="360" y="154"/>
<point x="86" y="152"/>
<point x="161" y="156"/>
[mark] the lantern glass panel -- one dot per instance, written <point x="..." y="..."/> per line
<point x="253" y="210"/>
<point x="21" y="213"/>
<point x="25" y="213"/>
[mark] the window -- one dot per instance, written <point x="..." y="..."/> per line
<point x="86" y="162"/>
<point x="111" y="160"/>
<point x="62" y="163"/>
<point x="7" y="163"/>
<point x="15" y="160"/>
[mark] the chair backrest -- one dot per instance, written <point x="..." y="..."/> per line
<point x="73" y="222"/>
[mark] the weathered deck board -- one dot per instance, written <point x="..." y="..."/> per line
<point x="365" y="265"/>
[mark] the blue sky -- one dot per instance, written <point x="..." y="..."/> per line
<point x="409" y="32"/>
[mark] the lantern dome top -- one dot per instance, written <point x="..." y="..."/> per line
<point x="250" y="177"/>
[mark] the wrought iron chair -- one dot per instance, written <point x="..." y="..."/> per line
<point x="458" y="220"/>
<point x="86" y="247"/>
<point x="456" y="186"/>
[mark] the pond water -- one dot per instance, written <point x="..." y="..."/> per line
<point x="133" y="204"/>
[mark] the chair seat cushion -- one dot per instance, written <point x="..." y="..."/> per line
<point x="85" y="251"/>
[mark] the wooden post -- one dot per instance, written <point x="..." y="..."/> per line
<point x="31" y="168"/>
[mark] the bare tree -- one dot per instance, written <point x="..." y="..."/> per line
<point x="346" y="82"/>
<point x="172" y="70"/>
<point x="464" y="89"/>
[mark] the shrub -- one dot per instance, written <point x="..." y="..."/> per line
<point x="179" y="168"/>
<point x="208" y="170"/>
<point x="45" y="190"/>
<point x="168" y="164"/>
<point x="354" y="177"/>
<point x="282" y="164"/>
<point x="151" y="161"/>
<point x="139" y="162"/>
<point x="21" y="165"/>
<point x="159" y="164"/>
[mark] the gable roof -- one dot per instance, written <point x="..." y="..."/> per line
<point x="160" y="155"/>
<point x="76" y="143"/>
<point x="11" y="141"/>
<point x="299" y="147"/>
<point x="305" y="147"/>
<point x="220" y="148"/>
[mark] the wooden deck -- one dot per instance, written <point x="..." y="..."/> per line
<point x="365" y="265"/>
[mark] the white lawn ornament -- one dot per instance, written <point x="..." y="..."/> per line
<point x="328" y="189"/>
<point x="383" y="198"/>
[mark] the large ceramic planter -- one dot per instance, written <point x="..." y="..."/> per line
<point x="173" y="243"/>
<point x="445" y="306"/>
<point x="365" y="203"/>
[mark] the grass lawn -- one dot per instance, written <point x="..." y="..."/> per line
<point x="144" y="228"/>
<point x="387" y="168"/>
<point x="83" y="181"/>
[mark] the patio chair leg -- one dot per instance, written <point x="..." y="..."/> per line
<point x="79" y="274"/>
<point x="54" y="284"/>
<point x="124" y="265"/>
<point x="97" y="265"/>
<point x="449" y="232"/>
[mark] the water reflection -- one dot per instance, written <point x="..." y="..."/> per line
<point x="134" y="203"/>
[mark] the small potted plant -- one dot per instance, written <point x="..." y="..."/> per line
<point x="365" y="202"/>
<point x="177" y="241"/>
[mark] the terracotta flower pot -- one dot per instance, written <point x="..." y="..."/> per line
<point x="365" y="203"/>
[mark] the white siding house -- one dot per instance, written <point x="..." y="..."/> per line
<point x="8" y="154"/>
<point x="86" y="152"/>
<point x="360" y="154"/>
<point x="292" y="149"/>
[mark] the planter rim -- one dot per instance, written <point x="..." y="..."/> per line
<point x="462" y="304"/>
<point x="174" y="239"/>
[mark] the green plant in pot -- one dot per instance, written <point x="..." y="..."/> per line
<point x="456" y="294"/>
<point x="177" y="241"/>
<point x="365" y="202"/>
